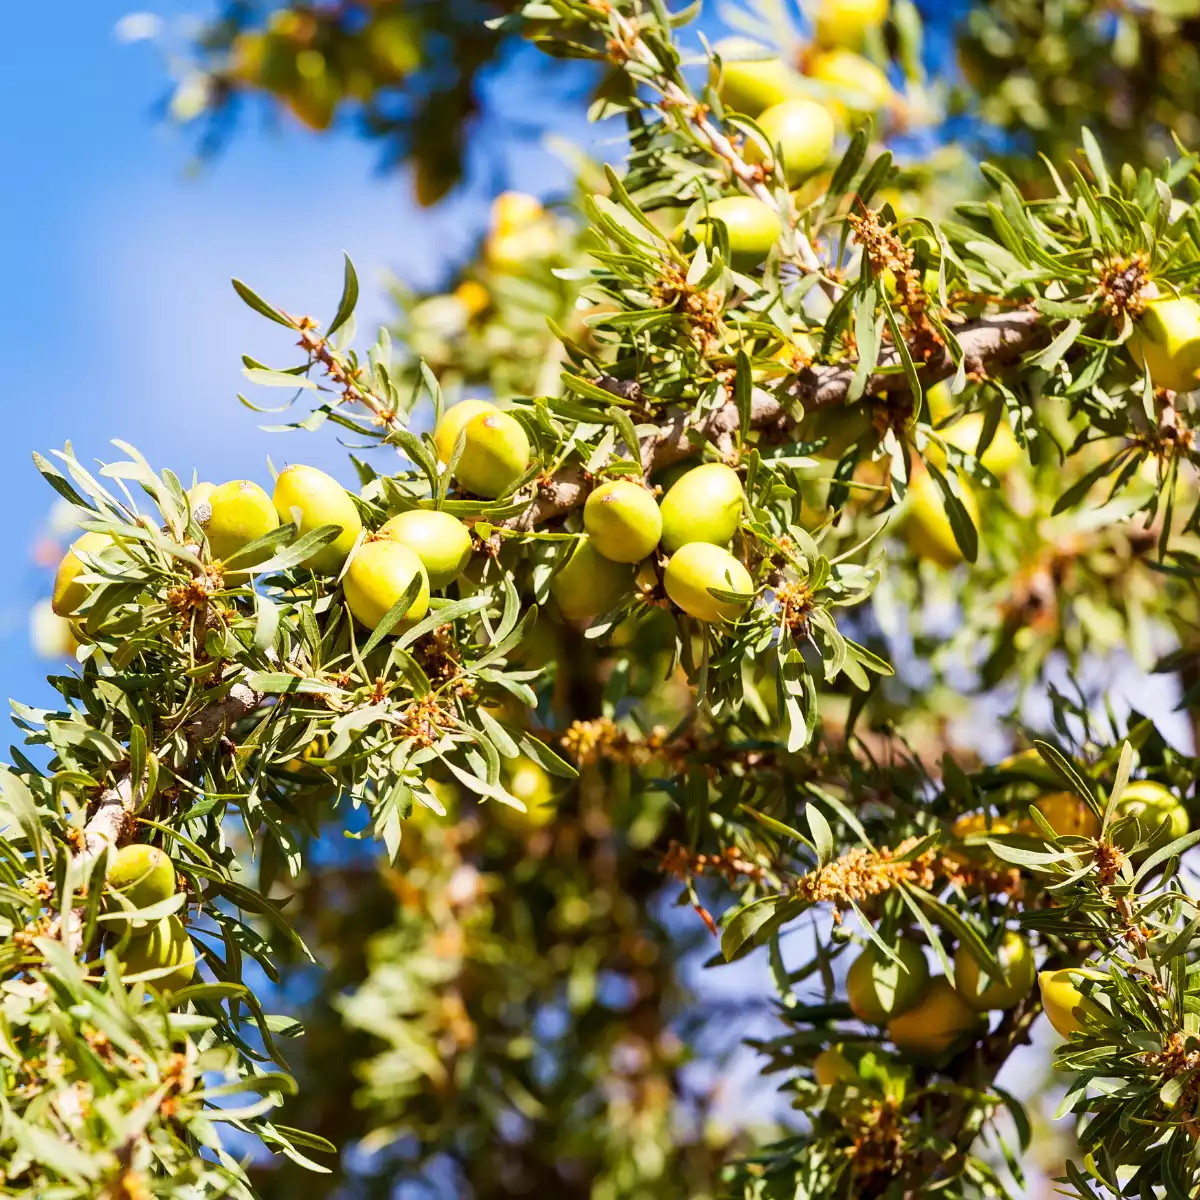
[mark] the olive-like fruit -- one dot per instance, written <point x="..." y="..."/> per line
<point x="846" y="23"/>
<point x="495" y="454"/>
<point x="936" y="1023"/>
<point x="622" y="520"/>
<point x="970" y="824"/>
<point x="1154" y="806"/>
<point x="1004" y="451"/>
<point x="588" y="583"/>
<point x="445" y="436"/>
<point x="442" y="542"/>
<point x="240" y="513"/>
<point x="521" y="231"/>
<point x="803" y="130"/>
<point x="143" y="874"/>
<point x="1166" y="341"/>
<point x="69" y="593"/>
<point x="1067" y="1008"/>
<point x="752" y="225"/>
<point x="929" y="532"/>
<point x="857" y="86"/>
<point x="1067" y="815"/>
<point x="167" y="948"/>
<point x="199" y="493"/>
<point x="378" y="576"/>
<point x="832" y="1067"/>
<point x="528" y="781"/>
<point x="878" y="988"/>
<point x="752" y="84"/>
<point x="1015" y="956"/>
<point x="318" y="499"/>
<point x="698" y="566"/>
<point x="705" y="505"/>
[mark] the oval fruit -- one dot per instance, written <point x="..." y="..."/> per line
<point x="929" y="532"/>
<point x="704" y="505"/>
<point x="752" y="226"/>
<point x="495" y="454"/>
<point x="751" y="85"/>
<point x="858" y="87"/>
<point x="1004" y="451"/>
<point x="1015" y="956"/>
<point x="939" y="1020"/>
<point x="378" y="576"/>
<point x="970" y="824"/>
<point x="529" y="783"/>
<point x="1154" y="806"/>
<point x="832" y="1067"/>
<point x="68" y="593"/>
<point x="588" y="583"/>
<point x="1166" y="341"/>
<point x="803" y="130"/>
<point x="698" y="566"/>
<point x="318" y="499"/>
<point x="1068" y="815"/>
<point x="143" y="874"/>
<point x="847" y="22"/>
<point x="454" y="419"/>
<point x="199" y="493"/>
<point x="165" y="948"/>
<point x="622" y="520"/>
<point x="239" y="513"/>
<point x="878" y="989"/>
<point x="441" y="541"/>
<point x="1067" y="1008"/>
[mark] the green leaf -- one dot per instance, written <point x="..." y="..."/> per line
<point x="260" y="305"/>
<point x="348" y="301"/>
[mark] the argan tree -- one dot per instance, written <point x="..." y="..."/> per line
<point x="796" y="473"/>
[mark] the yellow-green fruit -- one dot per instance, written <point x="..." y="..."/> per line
<point x="705" y="505"/>
<point x="495" y="454"/>
<point x="878" y="988"/>
<point x="751" y="85"/>
<point x="832" y="1067"/>
<point x="752" y="225"/>
<point x="929" y="532"/>
<point x="1004" y="451"/>
<point x="530" y="784"/>
<point x="858" y="87"/>
<point x="69" y="593"/>
<point x="1015" y="956"/>
<point x="440" y="541"/>
<point x="453" y="421"/>
<point x="1166" y="341"/>
<point x="1154" y="806"/>
<point x="847" y="22"/>
<point x="318" y="499"/>
<point x="622" y="521"/>
<point x="167" y="945"/>
<point x="1067" y="1008"/>
<point x="143" y="874"/>
<point x="698" y="566"/>
<point x="241" y="512"/>
<point x="378" y="576"/>
<point x="939" y="1020"/>
<point x="803" y="130"/>
<point x="199" y="493"/>
<point x="1067" y="815"/>
<point x="589" y="584"/>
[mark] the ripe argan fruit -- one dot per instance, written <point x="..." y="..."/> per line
<point x="589" y="584"/>
<point x="1004" y="451"/>
<point x="68" y="594"/>
<point x="1067" y="1008"/>
<point x="378" y="575"/>
<point x="622" y="520"/>
<point x="143" y="874"/>
<point x="528" y="782"/>
<point x="803" y="130"/>
<point x="751" y="85"/>
<point x="442" y="542"/>
<point x="846" y="23"/>
<point x="451" y="425"/>
<point x="1166" y="341"/>
<point x="199" y="493"/>
<point x="495" y="455"/>
<point x="1067" y="815"/>
<point x="319" y="500"/>
<point x="167" y="945"/>
<point x="878" y="989"/>
<point x="704" y="505"/>
<point x="1015" y="956"/>
<point x="857" y="86"/>
<point x="939" y="1020"/>
<point x="696" y="567"/>
<point x="241" y="512"/>
<point x="752" y="225"/>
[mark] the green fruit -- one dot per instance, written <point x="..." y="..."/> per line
<point x="1068" y="815"/>
<point x="857" y="86"/>
<point x="1003" y="453"/>
<point x="454" y="419"/>
<point x="878" y="988"/>
<point x="68" y="593"/>
<point x="705" y="505"/>
<point x="530" y="784"/>
<point x="847" y="22"/>
<point x="495" y="454"/>
<point x="1015" y="956"/>
<point x="750" y="85"/>
<point x="378" y="576"/>
<point x="698" y="566"/>
<point x="1154" y="806"/>
<point x="1067" y="1008"/>
<point x="936" y="1023"/>
<point x="1166" y="341"/>
<point x="622" y="520"/>
<point x="143" y="874"/>
<point x="318" y="499"/>
<point x="440" y="541"/>
<point x="589" y="584"/>
<point x="241" y="512"/>
<point x="166" y="948"/>
<point x="930" y="534"/>
<point x="803" y="130"/>
<point x="752" y="226"/>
